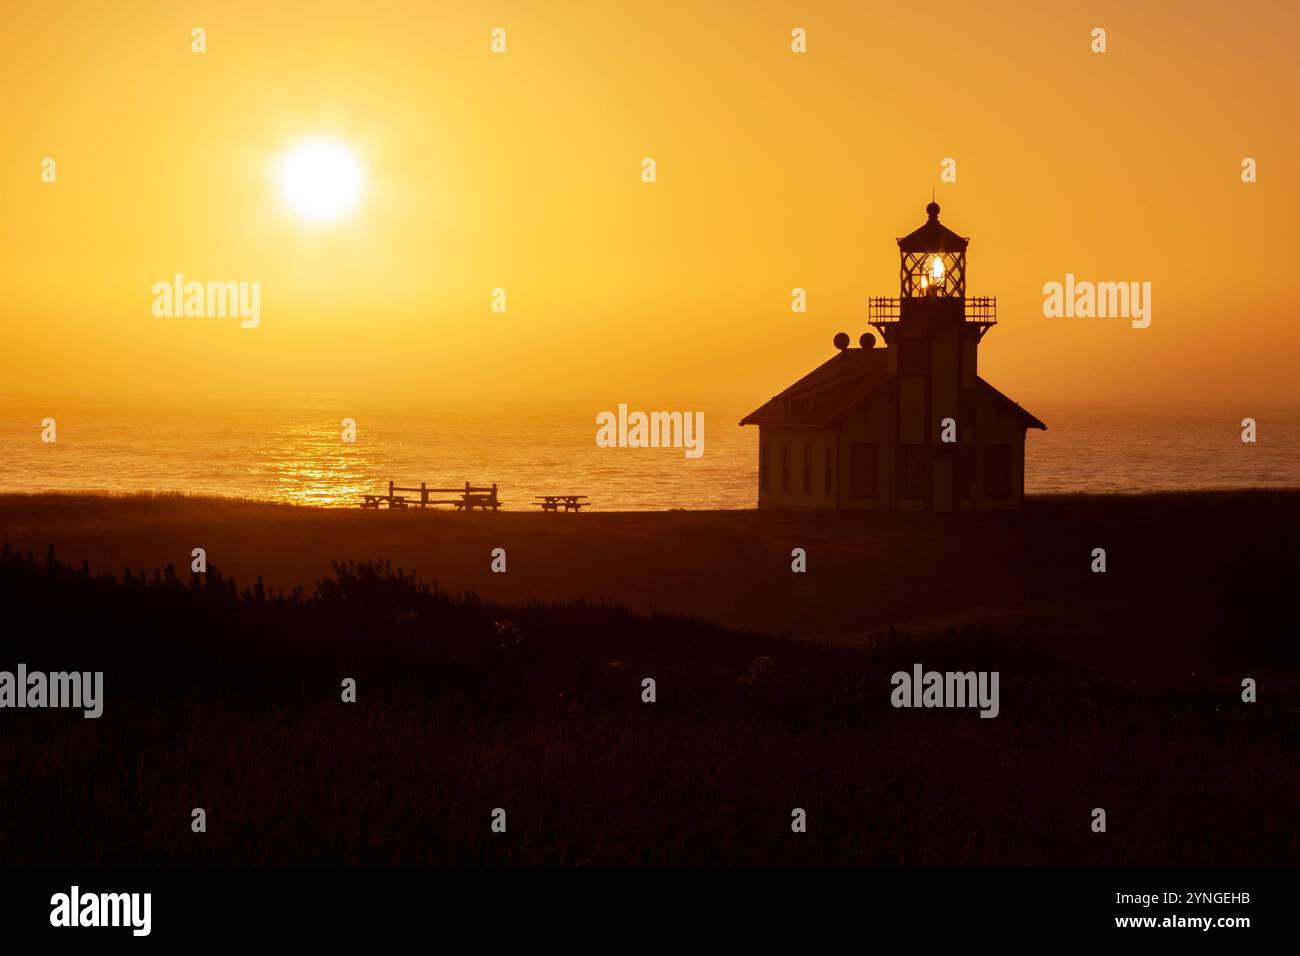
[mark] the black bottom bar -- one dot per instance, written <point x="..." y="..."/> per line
<point x="528" y="906"/>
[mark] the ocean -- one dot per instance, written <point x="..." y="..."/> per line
<point x="296" y="454"/>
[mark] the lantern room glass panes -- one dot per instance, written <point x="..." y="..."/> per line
<point x="934" y="274"/>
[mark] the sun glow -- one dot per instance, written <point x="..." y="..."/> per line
<point x="320" y="179"/>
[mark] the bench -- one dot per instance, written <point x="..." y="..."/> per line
<point x="467" y="498"/>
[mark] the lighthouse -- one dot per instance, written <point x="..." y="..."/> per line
<point x="907" y="426"/>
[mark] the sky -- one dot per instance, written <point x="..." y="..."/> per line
<point x="522" y="171"/>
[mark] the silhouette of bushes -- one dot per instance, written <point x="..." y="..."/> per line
<point x="229" y="698"/>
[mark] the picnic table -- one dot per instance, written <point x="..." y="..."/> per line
<point x="566" y="502"/>
<point x="474" y="499"/>
<point x="394" y="502"/>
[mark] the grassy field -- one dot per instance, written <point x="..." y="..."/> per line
<point x="228" y="697"/>
<point x="1195" y="582"/>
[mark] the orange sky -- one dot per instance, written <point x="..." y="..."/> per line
<point x="522" y="171"/>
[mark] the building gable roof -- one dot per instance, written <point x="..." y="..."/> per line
<point x="1030" y="420"/>
<point x="827" y="393"/>
<point x="842" y="383"/>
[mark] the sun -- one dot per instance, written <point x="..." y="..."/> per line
<point x="320" y="179"/>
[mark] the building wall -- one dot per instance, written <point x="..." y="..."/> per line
<point x="786" y="487"/>
<point x="985" y="471"/>
<point x="874" y="426"/>
<point x="998" y="427"/>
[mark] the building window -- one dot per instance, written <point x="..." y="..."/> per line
<point x="913" y="480"/>
<point x="862" y="470"/>
<point x="807" y="468"/>
<point x="829" y="474"/>
<point x="762" y="465"/>
<point x="997" y="471"/>
<point x="785" y="466"/>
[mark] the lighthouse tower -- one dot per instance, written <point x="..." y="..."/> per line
<point x="933" y="332"/>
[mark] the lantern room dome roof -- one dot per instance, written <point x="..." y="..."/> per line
<point x="933" y="236"/>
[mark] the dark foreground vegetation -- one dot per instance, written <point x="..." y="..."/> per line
<point x="230" y="700"/>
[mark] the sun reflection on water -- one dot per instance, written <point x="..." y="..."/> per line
<point x="299" y="465"/>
